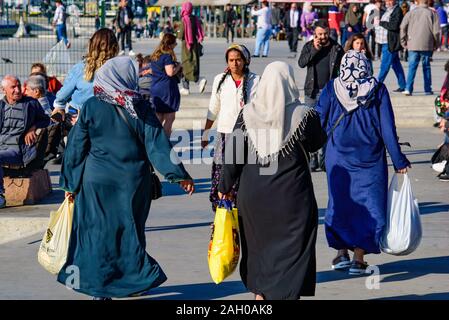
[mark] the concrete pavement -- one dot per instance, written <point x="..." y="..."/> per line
<point x="178" y="235"/>
<point x="178" y="226"/>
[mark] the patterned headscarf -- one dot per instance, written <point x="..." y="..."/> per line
<point x="355" y="86"/>
<point x="243" y="51"/>
<point x="116" y="83"/>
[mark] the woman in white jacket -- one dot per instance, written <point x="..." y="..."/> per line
<point x="231" y="90"/>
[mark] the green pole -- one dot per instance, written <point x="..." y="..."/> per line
<point x="103" y="14"/>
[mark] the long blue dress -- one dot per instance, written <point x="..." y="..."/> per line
<point x="105" y="165"/>
<point x="356" y="167"/>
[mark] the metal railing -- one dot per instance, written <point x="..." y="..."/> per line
<point x="26" y="39"/>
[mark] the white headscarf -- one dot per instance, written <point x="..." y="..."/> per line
<point x="116" y="82"/>
<point x="355" y="87"/>
<point x="275" y="118"/>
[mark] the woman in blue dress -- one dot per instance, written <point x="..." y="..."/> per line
<point x="105" y="168"/>
<point x="357" y="115"/>
<point x="164" y="84"/>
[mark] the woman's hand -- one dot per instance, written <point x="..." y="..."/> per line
<point x="61" y="112"/>
<point x="349" y="29"/>
<point x="225" y="196"/>
<point x="188" y="186"/>
<point x="403" y="170"/>
<point x="71" y="196"/>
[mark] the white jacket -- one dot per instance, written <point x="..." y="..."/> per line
<point x="226" y="105"/>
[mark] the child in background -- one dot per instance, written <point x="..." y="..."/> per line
<point x="358" y="43"/>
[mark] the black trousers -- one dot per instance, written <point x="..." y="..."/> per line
<point x="125" y="33"/>
<point x="292" y="38"/>
<point x="229" y="28"/>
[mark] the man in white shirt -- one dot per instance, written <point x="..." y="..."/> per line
<point x="263" y="29"/>
<point x="59" y="22"/>
<point x="292" y="23"/>
<point x="370" y="32"/>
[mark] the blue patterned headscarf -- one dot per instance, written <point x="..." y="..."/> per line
<point x="355" y="86"/>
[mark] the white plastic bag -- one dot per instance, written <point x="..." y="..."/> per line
<point x="403" y="231"/>
<point x="53" y="250"/>
<point x="57" y="60"/>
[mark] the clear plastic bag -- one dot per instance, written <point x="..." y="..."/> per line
<point x="403" y="231"/>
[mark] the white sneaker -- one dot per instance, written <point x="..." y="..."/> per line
<point x="439" y="167"/>
<point x="131" y="53"/>
<point x="2" y="201"/>
<point x="406" y="93"/>
<point x="202" y="85"/>
<point x="121" y="53"/>
<point x="184" y="92"/>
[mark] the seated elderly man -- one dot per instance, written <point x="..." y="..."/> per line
<point x="37" y="89"/>
<point x="19" y="118"/>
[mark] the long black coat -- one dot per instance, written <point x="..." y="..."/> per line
<point x="278" y="216"/>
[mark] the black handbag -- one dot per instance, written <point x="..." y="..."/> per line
<point x="157" y="185"/>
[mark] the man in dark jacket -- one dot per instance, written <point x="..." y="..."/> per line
<point x="19" y="118"/>
<point x="322" y="57"/>
<point x="229" y="22"/>
<point x="391" y="23"/>
<point x="124" y="22"/>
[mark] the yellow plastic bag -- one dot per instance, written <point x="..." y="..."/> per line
<point x="224" y="245"/>
<point x="52" y="253"/>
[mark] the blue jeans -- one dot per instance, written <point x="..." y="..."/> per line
<point x="391" y="59"/>
<point x="61" y="33"/>
<point x="263" y="39"/>
<point x="8" y="156"/>
<point x="413" y="62"/>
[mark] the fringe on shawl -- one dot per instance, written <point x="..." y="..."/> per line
<point x="287" y="148"/>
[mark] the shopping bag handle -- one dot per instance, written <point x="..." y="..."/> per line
<point x="227" y="204"/>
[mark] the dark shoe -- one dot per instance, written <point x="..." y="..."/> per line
<point x="254" y="56"/>
<point x="444" y="177"/>
<point x="264" y="56"/>
<point x="341" y="262"/>
<point x="399" y="90"/>
<point x="358" y="268"/>
<point x="428" y="93"/>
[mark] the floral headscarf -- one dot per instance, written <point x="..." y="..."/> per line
<point x="116" y="83"/>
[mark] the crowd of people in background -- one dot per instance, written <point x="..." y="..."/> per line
<point x="107" y="173"/>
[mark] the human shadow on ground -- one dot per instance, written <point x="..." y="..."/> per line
<point x="430" y="296"/>
<point x="433" y="207"/>
<point x="402" y="270"/>
<point x="178" y="226"/>
<point x="197" y="291"/>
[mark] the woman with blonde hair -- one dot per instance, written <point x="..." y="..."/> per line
<point x="78" y="85"/>
<point x="165" y="78"/>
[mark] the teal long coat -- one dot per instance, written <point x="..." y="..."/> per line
<point x="105" y="166"/>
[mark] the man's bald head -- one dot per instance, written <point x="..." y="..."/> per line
<point x="11" y="87"/>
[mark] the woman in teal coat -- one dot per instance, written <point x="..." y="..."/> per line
<point x="105" y="170"/>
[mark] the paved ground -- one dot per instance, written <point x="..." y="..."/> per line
<point x="178" y="234"/>
<point x="178" y="226"/>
